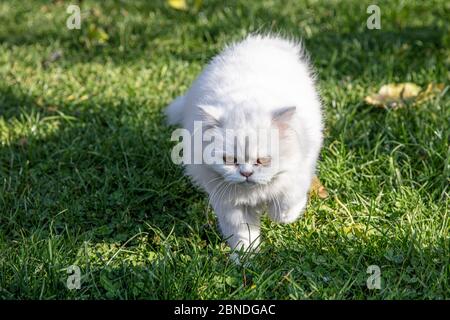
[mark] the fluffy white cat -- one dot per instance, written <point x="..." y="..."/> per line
<point x="261" y="82"/>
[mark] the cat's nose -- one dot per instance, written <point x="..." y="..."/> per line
<point x="245" y="170"/>
<point x="246" y="173"/>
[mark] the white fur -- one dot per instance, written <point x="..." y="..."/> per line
<point x="243" y="88"/>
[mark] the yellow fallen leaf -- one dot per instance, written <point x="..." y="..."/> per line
<point x="394" y="95"/>
<point x="317" y="189"/>
<point x="432" y="90"/>
<point x="178" y="4"/>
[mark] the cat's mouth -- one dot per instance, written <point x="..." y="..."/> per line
<point x="253" y="183"/>
<point x="244" y="183"/>
<point x="248" y="182"/>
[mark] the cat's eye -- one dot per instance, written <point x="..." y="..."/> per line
<point x="228" y="160"/>
<point x="263" y="161"/>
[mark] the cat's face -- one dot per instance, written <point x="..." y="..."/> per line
<point x="244" y="158"/>
<point x="247" y="146"/>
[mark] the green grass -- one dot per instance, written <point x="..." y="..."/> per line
<point x="86" y="177"/>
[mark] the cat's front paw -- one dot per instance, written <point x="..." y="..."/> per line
<point x="283" y="213"/>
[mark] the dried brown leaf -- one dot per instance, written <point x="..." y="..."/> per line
<point x="317" y="189"/>
<point x="396" y="95"/>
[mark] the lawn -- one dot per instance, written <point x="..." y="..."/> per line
<point x="86" y="177"/>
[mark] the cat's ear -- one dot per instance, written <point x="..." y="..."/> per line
<point x="210" y="115"/>
<point x="283" y="115"/>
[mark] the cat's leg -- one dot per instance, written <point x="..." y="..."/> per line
<point x="287" y="208"/>
<point x="240" y="225"/>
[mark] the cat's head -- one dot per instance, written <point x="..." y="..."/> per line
<point x="248" y="148"/>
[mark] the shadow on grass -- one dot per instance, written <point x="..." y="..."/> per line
<point x="98" y="177"/>
<point x="101" y="173"/>
<point x="376" y="55"/>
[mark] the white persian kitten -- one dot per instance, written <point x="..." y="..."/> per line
<point x="262" y="82"/>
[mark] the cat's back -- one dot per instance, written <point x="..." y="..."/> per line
<point x="256" y="64"/>
<point x="256" y="49"/>
<point x="259" y="55"/>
